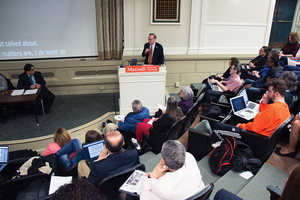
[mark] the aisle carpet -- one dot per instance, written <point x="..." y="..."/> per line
<point x="68" y="111"/>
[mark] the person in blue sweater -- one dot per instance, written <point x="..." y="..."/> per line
<point x="133" y="118"/>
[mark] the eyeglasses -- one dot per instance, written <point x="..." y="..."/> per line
<point x="261" y="51"/>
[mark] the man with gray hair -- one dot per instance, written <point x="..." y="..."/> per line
<point x="133" y="118"/>
<point x="176" y="176"/>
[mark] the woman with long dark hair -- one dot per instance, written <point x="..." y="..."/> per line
<point x="172" y="114"/>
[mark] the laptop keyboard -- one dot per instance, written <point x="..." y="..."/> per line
<point x="215" y="87"/>
<point x="251" y="105"/>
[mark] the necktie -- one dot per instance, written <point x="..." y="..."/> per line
<point x="150" y="56"/>
<point x="31" y="80"/>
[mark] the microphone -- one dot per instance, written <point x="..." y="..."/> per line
<point x="148" y="47"/>
<point x="122" y="66"/>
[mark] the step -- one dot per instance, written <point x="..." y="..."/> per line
<point x="231" y="181"/>
<point x="207" y="176"/>
<point x="267" y="175"/>
<point x="147" y="156"/>
<point x="151" y="163"/>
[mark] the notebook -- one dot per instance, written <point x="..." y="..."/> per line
<point x="240" y="109"/>
<point x="92" y="151"/>
<point x="214" y="87"/>
<point x="4" y="151"/>
<point x="249" y="104"/>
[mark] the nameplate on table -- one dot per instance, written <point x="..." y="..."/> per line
<point x="142" y="68"/>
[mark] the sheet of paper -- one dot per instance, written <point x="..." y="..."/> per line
<point x="150" y="121"/>
<point x="57" y="181"/>
<point x="119" y="117"/>
<point x="17" y="92"/>
<point x="246" y="175"/>
<point x="161" y="107"/>
<point x="32" y="91"/>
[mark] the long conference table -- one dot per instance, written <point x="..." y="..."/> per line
<point x="7" y="99"/>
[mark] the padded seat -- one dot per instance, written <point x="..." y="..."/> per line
<point x="110" y="185"/>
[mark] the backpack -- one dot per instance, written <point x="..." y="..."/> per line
<point x="220" y="159"/>
<point x="243" y="159"/>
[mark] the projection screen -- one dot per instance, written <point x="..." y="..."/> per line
<point x="36" y="29"/>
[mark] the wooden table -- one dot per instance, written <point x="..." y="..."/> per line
<point x="8" y="99"/>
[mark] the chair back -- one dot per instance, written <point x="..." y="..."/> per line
<point x="291" y="105"/>
<point x="203" y="194"/>
<point x="110" y="185"/>
<point x="176" y="130"/>
<point x="191" y="114"/>
<point x="200" y="139"/>
<point x="12" y="187"/>
<point x="274" y="138"/>
<point x="128" y="134"/>
<point x="10" y="85"/>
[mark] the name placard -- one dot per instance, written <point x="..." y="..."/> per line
<point x="142" y="68"/>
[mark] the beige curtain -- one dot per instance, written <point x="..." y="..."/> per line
<point x="109" y="28"/>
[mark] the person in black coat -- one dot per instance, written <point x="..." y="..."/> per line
<point x="32" y="79"/>
<point x="157" y="51"/>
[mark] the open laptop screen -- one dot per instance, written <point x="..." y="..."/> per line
<point x="238" y="103"/>
<point x="3" y="154"/>
<point x="92" y="150"/>
<point x="244" y="94"/>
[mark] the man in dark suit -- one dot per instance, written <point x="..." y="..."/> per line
<point x="153" y="51"/>
<point x="112" y="160"/>
<point x="31" y="79"/>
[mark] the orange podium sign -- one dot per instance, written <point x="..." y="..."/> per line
<point x="142" y="68"/>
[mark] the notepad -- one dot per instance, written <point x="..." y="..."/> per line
<point x="17" y="92"/>
<point x="31" y="91"/>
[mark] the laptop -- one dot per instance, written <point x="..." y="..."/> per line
<point x="240" y="109"/>
<point x="249" y="104"/>
<point x="214" y="87"/>
<point x="92" y="151"/>
<point x="4" y="151"/>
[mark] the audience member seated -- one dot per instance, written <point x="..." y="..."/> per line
<point x="111" y="159"/>
<point x="133" y="118"/>
<point x="258" y="62"/>
<point x="291" y="80"/>
<point x="186" y="94"/>
<point x="78" y="189"/>
<point x="172" y="114"/>
<point x="253" y="87"/>
<point x="290" y="49"/>
<point x="290" y="191"/>
<point x="32" y="79"/>
<point x="63" y="146"/>
<point x="270" y="116"/>
<point x="109" y="127"/>
<point x="226" y="74"/>
<point x="232" y="83"/>
<point x="176" y="176"/>
<point x="92" y="136"/>
<point x="261" y="73"/>
<point x="290" y="150"/>
<point x="3" y="83"/>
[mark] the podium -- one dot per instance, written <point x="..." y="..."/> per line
<point x="148" y="87"/>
